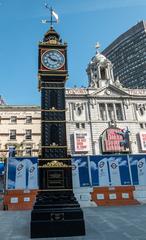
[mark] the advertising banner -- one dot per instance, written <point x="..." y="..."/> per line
<point x="22" y="173"/>
<point x="142" y="136"/>
<point x="80" y="172"/>
<point x="94" y="170"/>
<point x="138" y="169"/>
<point x="32" y="174"/>
<point x="1" y="167"/>
<point x="20" y="176"/>
<point x="81" y="141"/>
<point x="107" y="170"/>
<point x="114" y="140"/>
<point x="119" y="170"/>
<point x="103" y="172"/>
<point x="114" y="171"/>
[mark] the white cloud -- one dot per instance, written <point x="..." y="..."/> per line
<point x="93" y="165"/>
<point x="133" y="162"/>
<point x="82" y="164"/>
<point x="77" y="161"/>
<point x="123" y="163"/>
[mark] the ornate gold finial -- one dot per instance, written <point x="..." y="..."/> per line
<point x="53" y="108"/>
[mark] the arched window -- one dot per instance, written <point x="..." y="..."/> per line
<point x="79" y="111"/>
<point x="141" y="111"/>
<point x="103" y="73"/>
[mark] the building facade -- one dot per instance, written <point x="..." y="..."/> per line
<point x="128" y="55"/>
<point x="19" y="127"/>
<point x="90" y="112"/>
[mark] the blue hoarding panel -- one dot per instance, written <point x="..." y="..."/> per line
<point x="80" y="171"/>
<point x="110" y="170"/>
<point x="138" y="168"/>
<point x="22" y="173"/>
<point x="1" y="168"/>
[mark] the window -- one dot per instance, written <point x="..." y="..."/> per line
<point x="83" y="125"/>
<point x="142" y="125"/>
<point x="28" y="151"/>
<point x="102" y="111"/>
<point x="103" y="73"/>
<point x="13" y="119"/>
<point x="28" y="119"/>
<point x="119" y="111"/>
<point x="79" y="110"/>
<point x="12" y="134"/>
<point x="28" y="134"/>
<point x="110" y="108"/>
<point x="141" y="111"/>
<point x="77" y="125"/>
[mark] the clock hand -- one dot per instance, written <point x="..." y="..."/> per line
<point x="52" y="59"/>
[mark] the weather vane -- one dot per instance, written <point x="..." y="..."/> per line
<point x="97" y="46"/>
<point x="52" y="14"/>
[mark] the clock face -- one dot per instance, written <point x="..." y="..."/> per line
<point x="53" y="59"/>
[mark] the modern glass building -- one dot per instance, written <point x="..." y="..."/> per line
<point x="128" y="55"/>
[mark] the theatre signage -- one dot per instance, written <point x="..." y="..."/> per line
<point x="115" y="140"/>
<point x="81" y="141"/>
<point x="142" y="136"/>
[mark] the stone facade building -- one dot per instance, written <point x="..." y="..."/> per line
<point x="19" y="127"/>
<point x="104" y="104"/>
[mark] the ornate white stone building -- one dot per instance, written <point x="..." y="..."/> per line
<point x="89" y="112"/>
<point x="103" y="104"/>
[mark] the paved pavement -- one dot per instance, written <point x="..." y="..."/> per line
<point x="102" y="223"/>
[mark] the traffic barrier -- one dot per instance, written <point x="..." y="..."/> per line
<point x="140" y="194"/>
<point x="84" y="197"/>
<point x="113" y="196"/>
<point x="19" y="199"/>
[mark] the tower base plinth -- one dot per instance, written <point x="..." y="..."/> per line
<point x="56" y="214"/>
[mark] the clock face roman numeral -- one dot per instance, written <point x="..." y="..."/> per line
<point x="53" y="59"/>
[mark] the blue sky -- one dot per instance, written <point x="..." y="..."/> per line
<point x="81" y="24"/>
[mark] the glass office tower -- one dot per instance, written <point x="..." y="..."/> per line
<point x="128" y="55"/>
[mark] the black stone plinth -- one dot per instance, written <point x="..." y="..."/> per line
<point x="56" y="214"/>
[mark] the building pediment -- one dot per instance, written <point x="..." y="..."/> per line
<point x="109" y="91"/>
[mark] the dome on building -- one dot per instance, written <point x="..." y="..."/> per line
<point x="99" y="70"/>
<point x="99" y="58"/>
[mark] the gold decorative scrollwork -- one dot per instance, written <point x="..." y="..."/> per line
<point x="55" y="164"/>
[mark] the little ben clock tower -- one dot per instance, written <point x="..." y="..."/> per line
<point x="54" y="164"/>
<point x="56" y="212"/>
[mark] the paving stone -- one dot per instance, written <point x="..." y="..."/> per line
<point x="103" y="223"/>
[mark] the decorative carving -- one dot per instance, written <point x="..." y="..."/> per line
<point x="141" y="109"/>
<point x="108" y="92"/>
<point x="55" y="164"/>
<point x="53" y="109"/>
<point x="117" y="83"/>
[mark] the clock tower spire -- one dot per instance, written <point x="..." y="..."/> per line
<point x="56" y="211"/>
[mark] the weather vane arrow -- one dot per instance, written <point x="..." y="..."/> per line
<point x="52" y="14"/>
